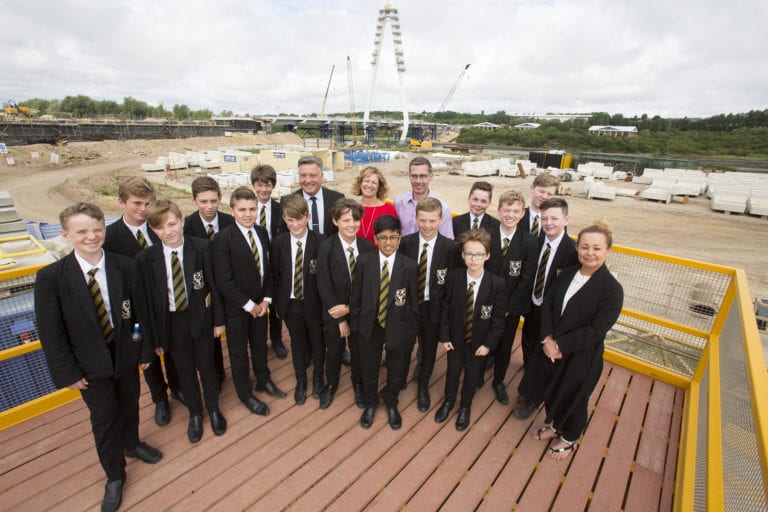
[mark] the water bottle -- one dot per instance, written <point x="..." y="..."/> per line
<point x="136" y="335"/>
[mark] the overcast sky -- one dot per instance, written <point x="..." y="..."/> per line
<point x="667" y="57"/>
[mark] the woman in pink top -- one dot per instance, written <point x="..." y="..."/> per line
<point x="372" y="185"/>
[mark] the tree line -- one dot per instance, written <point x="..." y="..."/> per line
<point x="83" y="106"/>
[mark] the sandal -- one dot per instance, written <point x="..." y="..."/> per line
<point x="563" y="452"/>
<point x="537" y="434"/>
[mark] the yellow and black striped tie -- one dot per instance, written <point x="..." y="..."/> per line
<point x="470" y="312"/>
<point x="352" y="263"/>
<point x="298" y="272"/>
<point x="179" y="292"/>
<point x="142" y="241"/>
<point x="255" y="250"/>
<point x="423" y="273"/>
<point x="541" y="274"/>
<point x="101" y="308"/>
<point x="504" y="248"/>
<point x="475" y="223"/>
<point x="535" y="227"/>
<point x="383" y="294"/>
<point x="263" y="217"/>
<point x="211" y="232"/>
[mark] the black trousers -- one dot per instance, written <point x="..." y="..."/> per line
<point x="334" y="348"/>
<point x="193" y="355"/>
<point x="503" y="352"/>
<point x="153" y="374"/>
<point x="275" y="327"/>
<point x="397" y="361"/>
<point x="306" y="340"/>
<point x="113" y="404"/>
<point x="463" y="357"/>
<point x="429" y="329"/>
<point x="243" y="333"/>
<point x="218" y="358"/>
<point x="531" y="333"/>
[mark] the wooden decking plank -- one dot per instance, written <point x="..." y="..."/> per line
<point x="670" y="466"/>
<point x="651" y="453"/>
<point x="36" y="427"/>
<point x="644" y="490"/>
<point x="621" y="452"/>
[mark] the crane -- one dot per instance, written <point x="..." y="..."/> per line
<point x="351" y="102"/>
<point x="325" y="98"/>
<point x="453" y="89"/>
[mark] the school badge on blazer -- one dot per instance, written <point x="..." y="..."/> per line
<point x="441" y="273"/>
<point x="514" y="267"/>
<point x="197" y="280"/>
<point x="125" y="309"/>
<point x="486" y="311"/>
<point x="313" y="266"/>
<point x="400" y="295"/>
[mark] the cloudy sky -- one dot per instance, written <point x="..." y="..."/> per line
<point x="665" y="57"/>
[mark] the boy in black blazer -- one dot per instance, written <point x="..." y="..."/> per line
<point x="480" y="196"/>
<point x="544" y="186"/>
<point x="263" y="181"/>
<point x="435" y="255"/>
<point x="205" y="223"/>
<point x="86" y="305"/>
<point x="338" y="252"/>
<point x="384" y="310"/>
<point x="243" y="276"/>
<point x="472" y="322"/>
<point x="555" y="251"/>
<point x="185" y="309"/>
<point x="513" y="259"/>
<point x="127" y="236"/>
<point x="296" y="300"/>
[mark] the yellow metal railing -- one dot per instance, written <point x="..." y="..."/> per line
<point x="703" y="330"/>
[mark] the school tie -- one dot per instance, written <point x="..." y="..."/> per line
<point x="298" y="273"/>
<point x="179" y="292"/>
<point x="470" y="312"/>
<point x="142" y="241"/>
<point x="263" y="216"/>
<point x="423" y="273"/>
<point x="383" y="294"/>
<point x="101" y="308"/>
<point x="504" y="248"/>
<point x="255" y="251"/>
<point x="535" y="227"/>
<point x="352" y="263"/>
<point x="541" y="273"/>
<point x="475" y="223"/>
<point x="211" y="232"/>
<point x="315" y="216"/>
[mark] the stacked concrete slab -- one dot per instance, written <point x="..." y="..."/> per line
<point x="10" y="222"/>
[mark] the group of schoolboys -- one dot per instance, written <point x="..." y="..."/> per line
<point x="305" y="265"/>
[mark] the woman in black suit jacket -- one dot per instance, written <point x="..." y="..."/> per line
<point x="578" y="311"/>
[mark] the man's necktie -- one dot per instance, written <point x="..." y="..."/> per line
<point x="263" y="216"/>
<point x="211" y="232"/>
<point x="142" y="241"/>
<point x="179" y="292"/>
<point x="352" y="262"/>
<point x="535" y="227"/>
<point x="101" y="308"/>
<point x="423" y="273"/>
<point x="255" y="250"/>
<point x="315" y="216"/>
<point x="470" y="311"/>
<point x="383" y="295"/>
<point x="298" y="272"/>
<point x="504" y="248"/>
<point x="541" y="274"/>
<point x="475" y="223"/>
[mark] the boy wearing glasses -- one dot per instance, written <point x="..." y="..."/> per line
<point x="472" y="322"/>
<point x="420" y="174"/>
<point x="384" y="309"/>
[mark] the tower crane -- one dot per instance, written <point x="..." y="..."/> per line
<point x="351" y="101"/>
<point x="453" y="89"/>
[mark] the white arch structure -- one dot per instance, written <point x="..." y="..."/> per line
<point x="388" y="14"/>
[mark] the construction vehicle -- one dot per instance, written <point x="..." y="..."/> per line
<point x="12" y="109"/>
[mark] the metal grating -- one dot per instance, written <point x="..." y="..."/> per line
<point x="680" y="293"/>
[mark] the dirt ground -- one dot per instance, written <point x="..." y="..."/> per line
<point x="41" y="190"/>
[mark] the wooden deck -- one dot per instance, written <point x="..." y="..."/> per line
<point x="306" y="459"/>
